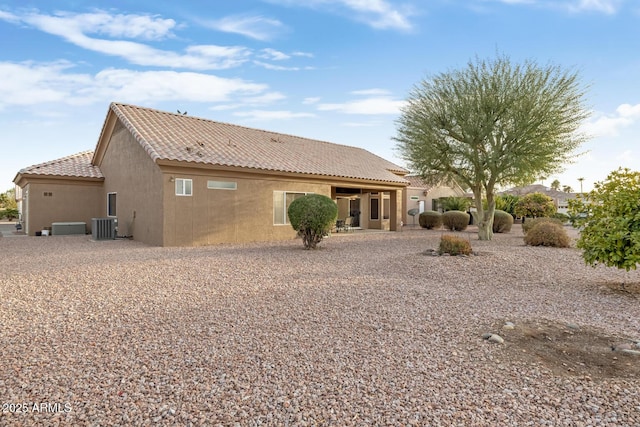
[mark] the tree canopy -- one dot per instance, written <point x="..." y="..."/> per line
<point x="492" y="122"/>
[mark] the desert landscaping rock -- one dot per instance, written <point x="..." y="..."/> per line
<point x="509" y="325"/>
<point x="361" y="332"/>
<point x="496" y="339"/>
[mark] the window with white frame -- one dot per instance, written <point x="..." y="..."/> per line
<point x="111" y="204"/>
<point x="184" y="187"/>
<point x="281" y="202"/>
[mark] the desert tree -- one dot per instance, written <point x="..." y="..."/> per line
<point x="493" y="122"/>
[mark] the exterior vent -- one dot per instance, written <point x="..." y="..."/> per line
<point x="103" y="228"/>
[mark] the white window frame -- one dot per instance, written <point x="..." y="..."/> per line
<point x="112" y="212"/>
<point x="183" y="182"/>
<point x="222" y="185"/>
<point x="285" y="208"/>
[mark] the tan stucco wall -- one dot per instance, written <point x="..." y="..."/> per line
<point x="432" y="194"/>
<point x="65" y="201"/>
<point x="212" y="216"/>
<point x="137" y="182"/>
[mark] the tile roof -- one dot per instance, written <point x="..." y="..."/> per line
<point x="77" y="165"/>
<point x="417" y="182"/>
<point x="176" y="137"/>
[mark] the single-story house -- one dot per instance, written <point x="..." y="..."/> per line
<point x="177" y="180"/>
<point x="560" y="198"/>
<point x="420" y="196"/>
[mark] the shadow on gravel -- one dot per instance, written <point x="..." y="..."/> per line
<point x="631" y="290"/>
<point x="571" y="350"/>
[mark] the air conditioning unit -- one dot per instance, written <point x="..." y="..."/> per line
<point x="104" y="228"/>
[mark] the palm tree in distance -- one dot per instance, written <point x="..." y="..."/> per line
<point x="581" y="179"/>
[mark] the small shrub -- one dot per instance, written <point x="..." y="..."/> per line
<point x="430" y="219"/>
<point x="454" y="245"/>
<point x="502" y="221"/>
<point x="455" y="220"/>
<point x="532" y="222"/>
<point x="548" y="234"/>
<point x="312" y="216"/>
<point x="535" y="205"/>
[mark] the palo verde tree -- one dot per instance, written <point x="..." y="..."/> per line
<point x="493" y="122"/>
<point x="610" y="219"/>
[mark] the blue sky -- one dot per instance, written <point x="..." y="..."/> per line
<point x="334" y="70"/>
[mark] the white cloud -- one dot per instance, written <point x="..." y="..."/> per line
<point x="367" y="106"/>
<point x="271" y="115"/>
<point x="274" y="55"/>
<point x="311" y="100"/>
<point x="611" y="124"/>
<point x="380" y="14"/>
<point x="23" y="84"/>
<point x="273" y="67"/>
<point x="73" y="28"/>
<point x="576" y="6"/>
<point x="372" y="92"/>
<point x="255" y="27"/>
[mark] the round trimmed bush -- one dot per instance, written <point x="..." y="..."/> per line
<point x="455" y="220"/>
<point x="532" y="222"/>
<point x="430" y="219"/>
<point x="312" y="216"/>
<point x="454" y="245"/>
<point x="502" y="221"/>
<point x="548" y="234"/>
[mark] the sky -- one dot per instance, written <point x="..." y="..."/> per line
<point x="332" y="70"/>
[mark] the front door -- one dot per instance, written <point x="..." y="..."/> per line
<point x="354" y="211"/>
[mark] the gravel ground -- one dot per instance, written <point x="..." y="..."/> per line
<point x="366" y="331"/>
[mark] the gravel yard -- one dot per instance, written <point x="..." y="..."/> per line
<point x="365" y="331"/>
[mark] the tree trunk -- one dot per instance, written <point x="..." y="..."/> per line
<point x="485" y="217"/>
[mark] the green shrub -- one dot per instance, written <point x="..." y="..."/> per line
<point x="535" y="205"/>
<point x="430" y="219"/>
<point x="502" y="221"/>
<point x="454" y="245"/>
<point x="561" y="216"/>
<point x="453" y="203"/>
<point x="547" y="234"/>
<point x="9" y="214"/>
<point x="455" y="220"/>
<point x="532" y="222"/>
<point x="312" y="216"/>
<point x="507" y="203"/>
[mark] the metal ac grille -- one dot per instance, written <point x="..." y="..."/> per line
<point x="103" y="228"/>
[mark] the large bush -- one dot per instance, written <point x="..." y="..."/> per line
<point x="312" y="216"/>
<point x="507" y="203"/>
<point x="610" y="221"/>
<point x="502" y="221"/>
<point x="454" y="245"/>
<point x="430" y="219"/>
<point x="547" y="234"/>
<point x="530" y="223"/>
<point x="453" y="203"/>
<point x="455" y="220"/>
<point x="535" y="205"/>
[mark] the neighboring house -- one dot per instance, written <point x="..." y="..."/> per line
<point x="422" y="196"/>
<point x="176" y="180"/>
<point x="560" y="198"/>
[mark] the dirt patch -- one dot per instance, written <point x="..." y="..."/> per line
<point x="572" y="350"/>
<point x="622" y="288"/>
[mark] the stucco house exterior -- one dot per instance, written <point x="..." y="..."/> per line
<point x="177" y="180"/>
<point x="423" y="197"/>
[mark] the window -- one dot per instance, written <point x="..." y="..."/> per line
<point x="375" y="209"/>
<point x="184" y="187"/>
<point x="222" y="185"/>
<point x="111" y="204"/>
<point x="281" y="202"/>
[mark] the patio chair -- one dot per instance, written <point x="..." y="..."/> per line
<point x="348" y="224"/>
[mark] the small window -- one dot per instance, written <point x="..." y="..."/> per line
<point x="111" y="204"/>
<point x="222" y="185"/>
<point x="184" y="187"/>
<point x="281" y="202"/>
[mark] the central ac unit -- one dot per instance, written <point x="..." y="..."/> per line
<point x="104" y="228"/>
